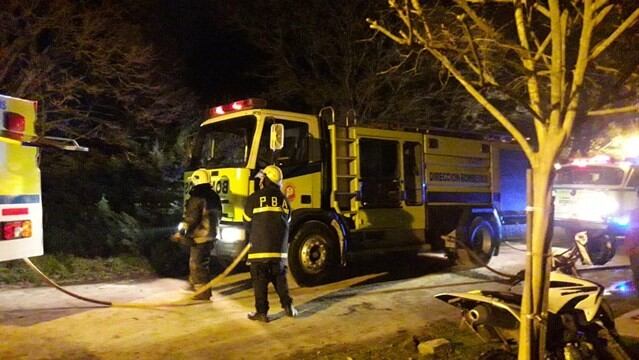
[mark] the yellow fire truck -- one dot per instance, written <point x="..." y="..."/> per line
<point x="355" y="189"/>
<point x="20" y="192"/>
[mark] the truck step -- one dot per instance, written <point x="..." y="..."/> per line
<point x="343" y="193"/>
<point x="382" y="251"/>
<point x="347" y="213"/>
<point x="348" y="140"/>
<point x="434" y="255"/>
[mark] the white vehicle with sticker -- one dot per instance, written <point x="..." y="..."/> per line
<point x="596" y="193"/>
<point x="20" y="191"/>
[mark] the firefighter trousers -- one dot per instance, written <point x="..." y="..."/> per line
<point x="199" y="264"/>
<point x="263" y="273"/>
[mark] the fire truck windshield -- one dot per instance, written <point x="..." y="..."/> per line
<point x="223" y="144"/>
<point x="589" y="175"/>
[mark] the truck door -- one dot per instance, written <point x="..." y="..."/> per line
<point x="299" y="160"/>
<point x="390" y="191"/>
<point x="413" y="166"/>
<point x="414" y="189"/>
<point x="379" y="173"/>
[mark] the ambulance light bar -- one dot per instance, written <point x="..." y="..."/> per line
<point x="246" y="104"/>
<point x="595" y="160"/>
<point x="600" y="160"/>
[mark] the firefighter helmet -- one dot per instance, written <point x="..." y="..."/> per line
<point x="274" y="174"/>
<point x="199" y="177"/>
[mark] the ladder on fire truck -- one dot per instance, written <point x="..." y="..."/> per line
<point x="344" y="174"/>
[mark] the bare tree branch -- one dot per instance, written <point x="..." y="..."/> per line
<point x="600" y="47"/>
<point x="580" y="66"/>
<point x="529" y="63"/>
<point x="552" y="80"/>
<point x="613" y="111"/>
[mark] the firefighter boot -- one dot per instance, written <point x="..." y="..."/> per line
<point x="257" y="316"/>
<point x="290" y="311"/>
<point x="205" y="295"/>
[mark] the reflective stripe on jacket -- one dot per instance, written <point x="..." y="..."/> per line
<point x="267" y="214"/>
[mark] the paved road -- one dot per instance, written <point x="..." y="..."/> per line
<point x="373" y="300"/>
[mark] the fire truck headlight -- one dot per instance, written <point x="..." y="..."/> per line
<point x="182" y="228"/>
<point x="232" y="234"/>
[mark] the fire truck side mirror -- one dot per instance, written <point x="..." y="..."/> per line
<point x="277" y="137"/>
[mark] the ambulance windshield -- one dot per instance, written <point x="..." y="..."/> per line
<point x="589" y="175"/>
<point x="223" y="144"/>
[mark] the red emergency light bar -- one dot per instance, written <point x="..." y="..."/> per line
<point x="252" y="103"/>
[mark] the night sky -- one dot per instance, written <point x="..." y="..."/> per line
<point x="219" y="61"/>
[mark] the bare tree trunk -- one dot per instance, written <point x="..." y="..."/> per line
<point x="555" y="71"/>
<point x="526" y="324"/>
<point x="535" y="296"/>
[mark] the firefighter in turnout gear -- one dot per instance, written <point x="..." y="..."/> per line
<point x="198" y="229"/>
<point x="267" y="215"/>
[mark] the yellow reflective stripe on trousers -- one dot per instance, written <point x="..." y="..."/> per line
<point x="267" y="209"/>
<point x="267" y="255"/>
<point x="246" y="217"/>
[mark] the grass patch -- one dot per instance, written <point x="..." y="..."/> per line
<point x="69" y="269"/>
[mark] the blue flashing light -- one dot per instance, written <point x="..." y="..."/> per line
<point x="623" y="287"/>
<point x="622" y="221"/>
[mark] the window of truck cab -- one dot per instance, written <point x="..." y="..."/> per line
<point x="223" y="144"/>
<point x="589" y="175"/>
<point x="296" y="145"/>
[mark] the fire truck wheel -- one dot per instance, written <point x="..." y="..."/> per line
<point x="480" y="237"/>
<point x="313" y="254"/>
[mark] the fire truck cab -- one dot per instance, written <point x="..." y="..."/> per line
<point x="353" y="189"/>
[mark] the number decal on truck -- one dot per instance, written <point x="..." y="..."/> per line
<point x="221" y="186"/>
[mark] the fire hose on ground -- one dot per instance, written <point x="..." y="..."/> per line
<point x="181" y="302"/>
<point x="190" y="299"/>
<point x="479" y="260"/>
<point x="509" y="277"/>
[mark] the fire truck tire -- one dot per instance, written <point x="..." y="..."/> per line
<point x="313" y="254"/>
<point x="481" y="238"/>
